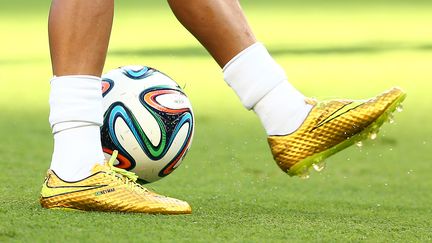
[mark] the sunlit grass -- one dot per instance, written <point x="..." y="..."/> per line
<point x="378" y="193"/>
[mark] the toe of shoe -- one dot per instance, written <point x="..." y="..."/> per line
<point x="386" y="99"/>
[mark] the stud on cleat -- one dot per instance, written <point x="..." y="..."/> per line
<point x="319" y="166"/>
<point x="304" y="173"/>
<point x="391" y="119"/>
<point x="399" y="108"/>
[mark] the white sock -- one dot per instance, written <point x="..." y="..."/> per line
<point x="262" y="85"/>
<point x="75" y="115"/>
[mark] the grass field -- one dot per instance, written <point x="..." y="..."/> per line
<point x="379" y="193"/>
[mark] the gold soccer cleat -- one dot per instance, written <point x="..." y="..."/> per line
<point x="107" y="189"/>
<point x="330" y="127"/>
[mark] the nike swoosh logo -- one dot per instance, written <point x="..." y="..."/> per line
<point x="339" y="112"/>
<point x="52" y="191"/>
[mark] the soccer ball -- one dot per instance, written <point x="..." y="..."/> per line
<point x="148" y="119"/>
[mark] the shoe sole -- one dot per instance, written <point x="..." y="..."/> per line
<point x="79" y="210"/>
<point x="66" y="209"/>
<point x="302" y="167"/>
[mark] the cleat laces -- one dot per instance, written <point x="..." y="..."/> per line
<point x="129" y="177"/>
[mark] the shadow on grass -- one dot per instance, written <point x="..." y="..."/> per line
<point x="192" y="51"/>
<point x="197" y="51"/>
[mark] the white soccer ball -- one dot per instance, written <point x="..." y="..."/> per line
<point x="148" y="119"/>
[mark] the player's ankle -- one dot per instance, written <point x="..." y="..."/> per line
<point x="282" y="110"/>
<point x="262" y="84"/>
<point x="252" y="74"/>
<point x="75" y="116"/>
<point x="76" y="151"/>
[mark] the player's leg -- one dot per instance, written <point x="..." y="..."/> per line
<point x="79" y="32"/>
<point x="219" y="25"/>
<point x="301" y="132"/>
<point x="222" y="28"/>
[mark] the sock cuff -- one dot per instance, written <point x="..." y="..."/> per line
<point x="248" y="49"/>
<point x="86" y="77"/>
<point x="252" y="74"/>
<point x="76" y="98"/>
<point x="282" y="110"/>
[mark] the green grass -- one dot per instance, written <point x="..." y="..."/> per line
<point x="379" y="193"/>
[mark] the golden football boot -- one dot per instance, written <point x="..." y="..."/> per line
<point x="107" y="189"/>
<point x="330" y="127"/>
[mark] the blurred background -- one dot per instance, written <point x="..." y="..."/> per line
<point x="329" y="49"/>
